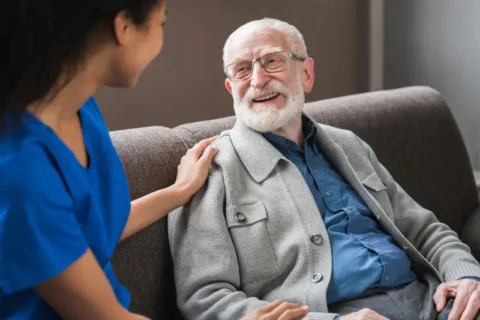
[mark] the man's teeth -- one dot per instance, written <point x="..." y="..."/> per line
<point x="264" y="98"/>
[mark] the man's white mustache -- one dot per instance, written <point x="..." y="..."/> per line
<point x="273" y="87"/>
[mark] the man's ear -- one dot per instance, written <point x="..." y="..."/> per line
<point x="122" y="28"/>
<point x="308" y="75"/>
<point x="228" y="85"/>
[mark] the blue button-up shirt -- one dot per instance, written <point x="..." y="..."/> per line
<point x="364" y="256"/>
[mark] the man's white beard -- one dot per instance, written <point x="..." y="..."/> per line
<point x="268" y="118"/>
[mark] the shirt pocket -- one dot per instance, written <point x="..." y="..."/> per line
<point x="334" y="196"/>
<point x="247" y="224"/>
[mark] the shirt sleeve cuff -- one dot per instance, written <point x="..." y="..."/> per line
<point x="471" y="278"/>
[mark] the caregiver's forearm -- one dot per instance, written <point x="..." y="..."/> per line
<point x="152" y="207"/>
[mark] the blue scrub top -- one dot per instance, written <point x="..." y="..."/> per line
<point x="52" y="209"/>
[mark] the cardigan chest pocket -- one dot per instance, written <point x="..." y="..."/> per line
<point x="374" y="183"/>
<point x="247" y="224"/>
<point x="376" y="187"/>
<point x="378" y="190"/>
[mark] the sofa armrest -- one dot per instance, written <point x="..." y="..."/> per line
<point x="471" y="233"/>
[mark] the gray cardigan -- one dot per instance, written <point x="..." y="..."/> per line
<point x="254" y="234"/>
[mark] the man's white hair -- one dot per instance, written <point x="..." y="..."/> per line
<point x="294" y="37"/>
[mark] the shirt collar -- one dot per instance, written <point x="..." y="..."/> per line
<point x="260" y="157"/>
<point x="287" y="146"/>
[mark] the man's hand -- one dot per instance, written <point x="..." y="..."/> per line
<point x="467" y="298"/>
<point x="278" y="310"/>
<point x="364" y="314"/>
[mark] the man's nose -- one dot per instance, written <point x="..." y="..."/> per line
<point x="259" y="76"/>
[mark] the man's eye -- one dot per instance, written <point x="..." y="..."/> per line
<point x="275" y="61"/>
<point x="241" y="69"/>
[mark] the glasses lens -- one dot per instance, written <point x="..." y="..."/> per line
<point x="275" y="62"/>
<point x="239" y="70"/>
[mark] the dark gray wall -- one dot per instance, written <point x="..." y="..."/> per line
<point x="186" y="82"/>
<point x="437" y="43"/>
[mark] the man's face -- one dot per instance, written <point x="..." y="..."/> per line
<point x="267" y="101"/>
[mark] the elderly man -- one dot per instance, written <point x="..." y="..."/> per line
<point x="304" y="213"/>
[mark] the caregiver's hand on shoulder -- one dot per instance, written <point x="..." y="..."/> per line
<point x="194" y="166"/>
<point x="278" y="310"/>
<point x="191" y="175"/>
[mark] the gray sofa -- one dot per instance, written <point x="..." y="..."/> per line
<point x="411" y="129"/>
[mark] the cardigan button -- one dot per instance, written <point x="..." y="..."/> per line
<point x="317" y="239"/>
<point x="240" y="217"/>
<point x="317" y="277"/>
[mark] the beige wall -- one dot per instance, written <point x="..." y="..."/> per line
<point x="186" y="82"/>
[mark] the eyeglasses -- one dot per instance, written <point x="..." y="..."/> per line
<point x="271" y="63"/>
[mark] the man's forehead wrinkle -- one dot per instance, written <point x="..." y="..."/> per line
<point x="270" y="49"/>
<point x="248" y="54"/>
<point x="243" y="54"/>
<point x="248" y="43"/>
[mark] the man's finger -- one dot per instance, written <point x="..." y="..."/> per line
<point x="459" y="305"/>
<point x="269" y="306"/>
<point x="293" y="314"/>
<point x="440" y="297"/>
<point x="369" y="314"/>
<point x="278" y="311"/>
<point x="472" y="307"/>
